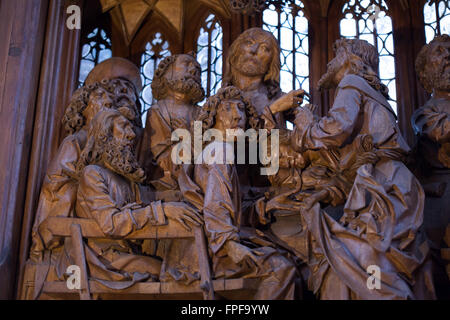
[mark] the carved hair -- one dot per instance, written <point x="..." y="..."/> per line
<point x="159" y="82"/>
<point x="364" y="60"/>
<point x="272" y="78"/>
<point x="422" y="60"/>
<point x="73" y="118"/>
<point x="209" y="110"/>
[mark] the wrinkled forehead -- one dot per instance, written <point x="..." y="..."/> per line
<point x="120" y="122"/>
<point x="233" y="102"/>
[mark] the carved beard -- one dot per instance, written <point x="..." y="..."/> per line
<point x="121" y="157"/>
<point x="328" y="79"/>
<point x="188" y="85"/>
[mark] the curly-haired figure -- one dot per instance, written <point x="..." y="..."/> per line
<point x="113" y="83"/>
<point x="213" y="187"/>
<point x="109" y="193"/>
<point x="432" y="121"/>
<point x="177" y="88"/>
<point x="106" y="86"/>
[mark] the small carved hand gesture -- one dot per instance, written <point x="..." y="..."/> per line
<point x="303" y="117"/>
<point x="240" y="253"/>
<point x="291" y="100"/>
<point x="179" y="124"/>
<point x="182" y="213"/>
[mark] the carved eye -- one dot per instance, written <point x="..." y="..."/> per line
<point x="265" y="48"/>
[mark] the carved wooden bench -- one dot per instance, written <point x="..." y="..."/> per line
<point x="88" y="228"/>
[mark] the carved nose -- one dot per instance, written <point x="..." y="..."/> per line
<point x="254" y="48"/>
<point x="130" y="135"/>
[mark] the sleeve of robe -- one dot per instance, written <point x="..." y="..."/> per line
<point x="433" y="123"/>
<point x="333" y="130"/>
<point x="220" y="210"/>
<point x="113" y="220"/>
<point x="160" y="139"/>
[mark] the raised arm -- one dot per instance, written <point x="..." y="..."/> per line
<point x="333" y="130"/>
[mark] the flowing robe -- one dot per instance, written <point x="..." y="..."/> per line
<point x="432" y="123"/>
<point x="114" y="203"/>
<point x="157" y="145"/>
<point x="383" y="214"/>
<point x="180" y="260"/>
<point x="214" y="189"/>
<point x="58" y="192"/>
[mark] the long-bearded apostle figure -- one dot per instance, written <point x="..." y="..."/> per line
<point x="114" y="83"/>
<point x="109" y="193"/>
<point x="238" y="251"/>
<point x="432" y="124"/>
<point x="177" y="88"/>
<point x="381" y="227"/>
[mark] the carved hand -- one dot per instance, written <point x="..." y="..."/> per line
<point x="182" y="213"/>
<point x="291" y="100"/>
<point x="179" y="124"/>
<point x="303" y="118"/>
<point x="240" y="253"/>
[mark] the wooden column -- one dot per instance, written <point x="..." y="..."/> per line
<point x="22" y="24"/>
<point x="404" y="64"/>
<point x="57" y="82"/>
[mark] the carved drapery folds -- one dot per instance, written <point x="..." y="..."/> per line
<point x="333" y="199"/>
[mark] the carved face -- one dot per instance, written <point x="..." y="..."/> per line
<point x="123" y="130"/>
<point x="184" y="76"/>
<point x="124" y="96"/>
<point x="97" y="99"/>
<point x="231" y="115"/>
<point x="437" y="68"/>
<point x="185" y="67"/>
<point x="335" y="70"/>
<point x="254" y="55"/>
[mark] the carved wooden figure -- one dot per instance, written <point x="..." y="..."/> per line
<point x="432" y="124"/>
<point x="238" y="250"/>
<point x="109" y="193"/>
<point x="383" y="214"/>
<point x="177" y="88"/>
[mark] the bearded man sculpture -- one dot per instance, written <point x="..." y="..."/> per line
<point x="114" y="83"/>
<point x="432" y="124"/>
<point x="109" y="193"/>
<point x="382" y="220"/>
<point x="177" y="88"/>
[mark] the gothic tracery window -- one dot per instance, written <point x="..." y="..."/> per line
<point x="437" y="18"/>
<point x="287" y="22"/>
<point x="95" y="49"/>
<point x="155" y="50"/>
<point x="369" y="20"/>
<point x="210" y="54"/>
